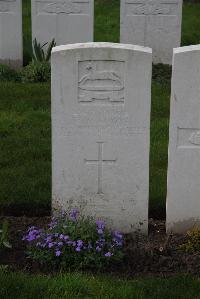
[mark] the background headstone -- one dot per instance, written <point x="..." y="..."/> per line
<point x="183" y="195"/>
<point x="152" y="23"/>
<point x="11" y="48"/>
<point x="68" y="21"/>
<point x="101" y="95"/>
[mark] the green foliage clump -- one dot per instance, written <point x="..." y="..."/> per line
<point x="4" y="243"/>
<point x="39" y="54"/>
<point x="71" y="241"/>
<point x="193" y="241"/>
<point x="8" y="74"/>
<point x="36" y="72"/>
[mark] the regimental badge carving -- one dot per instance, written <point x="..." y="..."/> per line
<point x="195" y="138"/>
<point x="101" y="81"/>
<point x="151" y="7"/>
<point x="4" y="6"/>
<point x="62" y="8"/>
<point x="188" y="138"/>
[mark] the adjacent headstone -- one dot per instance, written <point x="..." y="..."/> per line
<point x="101" y="95"/>
<point x="11" y="33"/>
<point x="66" y="21"/>
<point x="183" y="195"/>
<point x="152" y="23"/>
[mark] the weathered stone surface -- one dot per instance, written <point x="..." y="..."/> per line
<point x="152" y="23"/>
<point x="68" y="21"/>
<point x="183" y="195"/>
<point x="101" y="96"/>
<point x="11" y="33"/>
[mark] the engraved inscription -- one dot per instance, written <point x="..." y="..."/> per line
<point x="188" y="138"/>
<point x="100" y="162"/>
<point x="150" y="7"/>
<point x="4" y="7"/>
<point x="61" y="7"/>
<point x="101" y="81"/>
<point x="109" y="123"/>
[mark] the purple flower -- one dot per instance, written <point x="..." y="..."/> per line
<point x="118" y="243"/>
<point x="101" y="241"/>
<point x="117" y="234"/>
<point x="100" y="224"/>
<point x="73" y="214"/>
<point x="58" y="252"/>
<point x="31" y="238"/>
<point x="79" y="243"/>
<point x="33" y="234"/>
<point x="118" y="238"/>
<point x="89" y="245"/>
<point x="66" y="238"/>
<point x="60" y="243"/>
<point x="98" y="249"/>
<point x="108" y="254"/>
<point x="50" y="245"/>
<point x="78" y="249"/>
<point x="48" y="239"/>
<point x="52" y="224"/>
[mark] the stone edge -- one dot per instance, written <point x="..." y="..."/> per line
<point x="101" y="46"/>
<point x="186" y="49"/>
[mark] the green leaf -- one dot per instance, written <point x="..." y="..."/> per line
<point x="7" y="244"/>
<point x="37" y="50"/>
<point x="50" y="47"/>
<point x="39" y="53"/>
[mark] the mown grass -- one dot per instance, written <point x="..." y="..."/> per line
<point x="25" y="147"/>
<point x="22" y="286"/>
<point x="191" y="24"/>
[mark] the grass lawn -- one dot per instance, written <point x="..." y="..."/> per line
<point x="22" y="286"/>
<point x="25" y="125"/>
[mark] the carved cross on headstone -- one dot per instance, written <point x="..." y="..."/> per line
<point x="146" y="8"/>
<point x="100" y="162"/>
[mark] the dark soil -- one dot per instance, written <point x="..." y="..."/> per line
<point x="157" y="254"/>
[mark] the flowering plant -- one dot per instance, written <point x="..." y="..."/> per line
<point x="74" y="241"/>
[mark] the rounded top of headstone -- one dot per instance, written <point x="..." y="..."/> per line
<point x="186" y="49"/>
<point x="101" y="45"/>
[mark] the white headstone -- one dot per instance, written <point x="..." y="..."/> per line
<point x="11" y="50"/>
<point x="183" y="195"/>
<point x="101" y="95"/>
<point x="66" y="21"/>
<point x="152" y="23"/>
